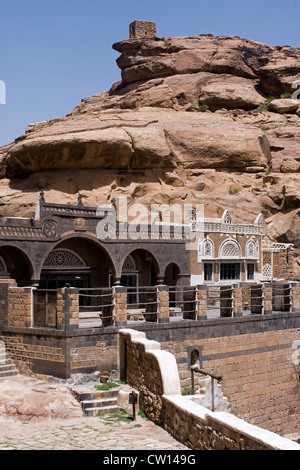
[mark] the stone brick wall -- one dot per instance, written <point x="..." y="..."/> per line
<point x="142" y="30"/>
<point x="37" y="352"/>
<point x="4" y="285"/>
<point x="259" y="377"/>
<point x="152" y="373"/>
<point x="200" y="429"/>
<point x="67" y="309"/>
<point x="19" y="311"/>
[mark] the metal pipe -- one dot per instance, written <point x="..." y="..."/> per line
<point x="201" y="371"/>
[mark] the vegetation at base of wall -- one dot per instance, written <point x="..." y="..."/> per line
<point x="187" y="391"/>
<point x="141" y="413"/>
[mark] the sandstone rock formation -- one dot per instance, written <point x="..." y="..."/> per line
<point x="199" y="119"/>
<point x="29" y="399"/>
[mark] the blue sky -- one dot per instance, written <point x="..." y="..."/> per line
<point x="54" y="53"/>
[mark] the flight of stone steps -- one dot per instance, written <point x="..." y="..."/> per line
<point x="7" y="365"/>
<point x="97" y="402"/>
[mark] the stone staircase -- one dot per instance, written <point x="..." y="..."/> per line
<point x="99" y="402"/>
<point x="7" y="365"/>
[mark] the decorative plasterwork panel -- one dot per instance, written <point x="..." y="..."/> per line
<point x="129" y="264"/>
<point x="230" y="249"/>
<point x="63" y="258"/>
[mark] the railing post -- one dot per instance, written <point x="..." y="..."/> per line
<point x="295" y="297"/>
<point x="237" y="300"/>
<point x="163" y="304"/>
<point x="267" y="298"/>
<point x="201" y="293"/>
<point x="120" y="305"/>
<point x="67" y="308"/>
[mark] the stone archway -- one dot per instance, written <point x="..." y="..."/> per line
<point x="17" y="265"/>
<point x="172" y="273"/>
<point x="145" y="267"/>
<point x="79" y="262"/>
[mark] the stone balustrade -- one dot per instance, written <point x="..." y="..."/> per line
<point x="60" y="309"/>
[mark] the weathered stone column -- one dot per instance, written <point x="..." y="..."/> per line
<point x="163" y="304"/>
<point x="201" y="302"/>
<point x="295" y="297"/>
<point x="237" y="301"/>
<point x="120" y="305"/>
<point x="67" y="309"/>
<point x="267" y="298"/>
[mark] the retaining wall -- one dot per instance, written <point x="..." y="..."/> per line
<point x="153" y="373"/>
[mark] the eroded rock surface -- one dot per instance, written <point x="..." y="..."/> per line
<point x="29" y="399"/>
<point x="201" y="119"/>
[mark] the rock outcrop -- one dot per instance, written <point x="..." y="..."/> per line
<point x="30" y="399"/>
<point x="202" y="119"/>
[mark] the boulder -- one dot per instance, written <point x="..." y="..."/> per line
<point x="289" y="165"/>
<point x="284" y="106"/>
<point x="29" y="399"/>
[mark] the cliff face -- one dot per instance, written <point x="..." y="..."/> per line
<point x="194" y="119"/>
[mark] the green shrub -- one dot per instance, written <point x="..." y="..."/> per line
<point x="107" y="386"/>
<point x="265" y="106"/>
<point x="234" y="191"/>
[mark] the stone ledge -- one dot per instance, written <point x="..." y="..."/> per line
<point x="228" y="423"/>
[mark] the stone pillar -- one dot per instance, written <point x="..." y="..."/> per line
<point x="163" y="304"/>
<point x="120" y="305"/>
<point x="67" y="309"/>
<point x="19" y="307"/>
<point x="4" y="286"/>
<point x="295" y="297"/>
<point x="201" y="302"/>
<point x="267" y="298"/>
<point x="237" y="304"/>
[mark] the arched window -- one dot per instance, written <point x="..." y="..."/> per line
<point x="227" y="218"/>
<point x="230" y="249"/>
<point x="129" y="264"/>
<point x="207" y="248"/>
<point x="63" y="259"/>
<point x="191" y="216"/>
<point x="250" y="249"/>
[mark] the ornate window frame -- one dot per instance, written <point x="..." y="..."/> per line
<point x="129" y="265"/>
<point x="235" y="245"/>
<point x="63" y="259"/>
